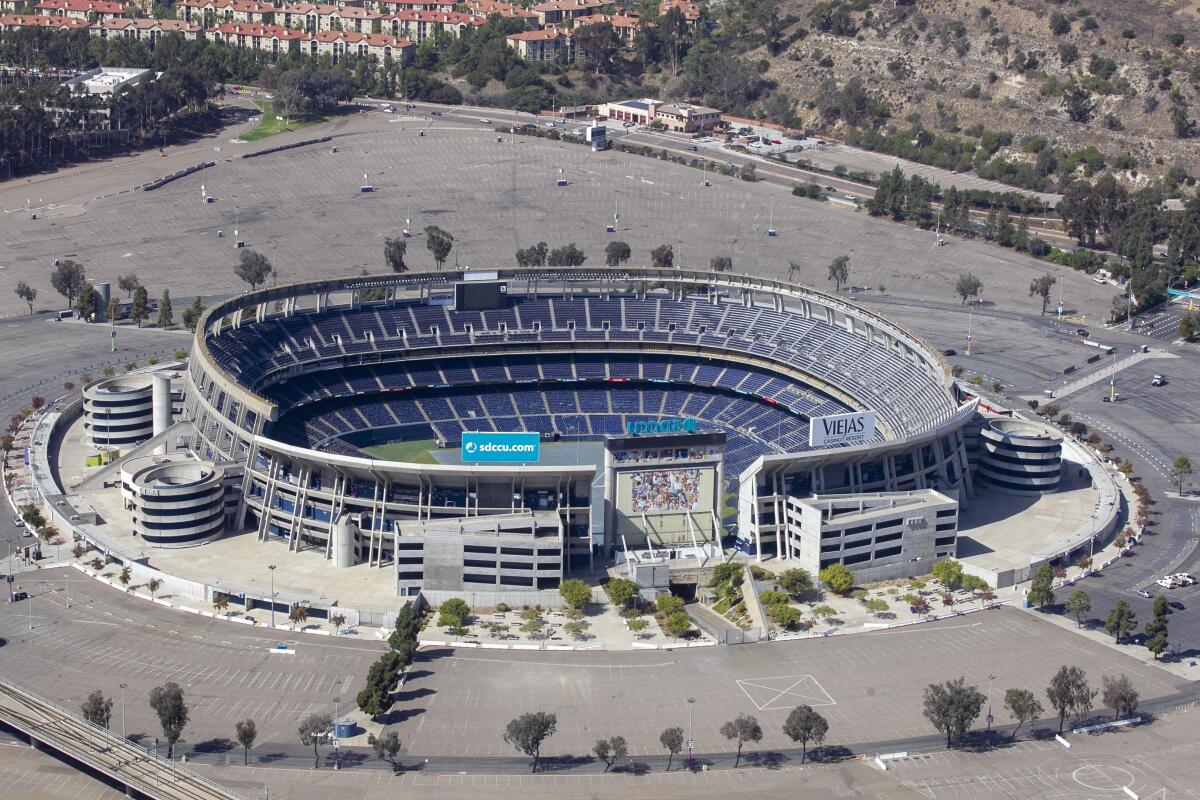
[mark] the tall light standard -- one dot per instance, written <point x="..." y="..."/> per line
<point x="690" y="742"/>
<point x="123" y="687"/>
<point x="990" y="718"/>
<point x="271" y="567"/>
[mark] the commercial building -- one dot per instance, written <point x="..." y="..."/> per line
<point x="107" y="80"/>
<point x="877" y="535"/>
<point x="678" y="117"/>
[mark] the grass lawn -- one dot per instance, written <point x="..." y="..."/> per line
<point x="271" y="124"/>
<point x="415" y="452"/>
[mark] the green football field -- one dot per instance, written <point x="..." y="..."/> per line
<point x="416" y="452"/>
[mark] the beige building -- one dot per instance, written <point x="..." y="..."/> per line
<point x="687" y="118"/>
<point x="548" y="44"/>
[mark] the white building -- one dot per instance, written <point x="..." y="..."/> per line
<point x="106" y="80"/>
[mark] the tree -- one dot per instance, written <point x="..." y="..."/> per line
<point x="386" y="747"/>
<point x="453" y="613"/>
<point x="166" y="316"/>
<point x="744" y="728"/>
<point x="566" y="256"/>
<point x="678" y="624"/>
<point x="1181" y="468"/>
<point x="1156" y="629"/>
<point x="1041" y="287"/>
<point x="85" y="304"/>
<point x="128" y="283"/>
<point x="1079" y="604"/>
<point x="610" y="750"/>
<point x="191" y="314"/>
<point x="139" y="307"/>
<point x="968" y="286"/>
<point x="621" y="591"/>
<point x="1120" y="696"/>
<point x="167" y="702"/>
<point x="669" y="604"/>
<point x="439" y="243"/>
<point x="393" y="253"/>
<point x="805" y="725"/>
<point x="535" y="255"/>
<point x="253" y="268"/>
<point x="952" y="706"/>
<point x="672" y="741"/>
<point x="598" y="43"/>
<point x="795" y="581"/>
<point x="1023" y="707"/>
<point x="26" y="293"/>
<point x="1041" y="589"/>
<point x="527" y="732"/>
<point x="876" y="606"/>
<point x="1069" y="691"/>
<point x="1121" y="621"/>
<point x="636" y="626"/>
<point x="246" y="732"/>
<point x="838" y="578"/>
<point x="720" y="264"/>
<point x="785" y="616"/>
<point x="97" y="709"/>
<point x="152" y="586"/>
<point x="616" y="254"/>
<point x="125" y="576"/>
<point x="948" y="572"/>
<point x="220" y="602"/>
<point x="298" y="614"/>
<point x="662" y="257"/>
<point x="338" y="621"/>
<point x="839" y="271"/>
<point x="576" y="592"/>
<point x="312" y="729"/>
<point x="68" y="279"/>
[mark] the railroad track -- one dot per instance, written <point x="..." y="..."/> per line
<point x="100" y="749"/>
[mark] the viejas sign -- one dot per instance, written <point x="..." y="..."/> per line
<point x="853" y="428"/>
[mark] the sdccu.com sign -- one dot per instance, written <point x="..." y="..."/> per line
<point x="493" y="448"/>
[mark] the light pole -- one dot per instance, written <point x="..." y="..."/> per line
<point x="271" y="567"/>
<point x="690" y="742"/>
<point x="337" y="761"/>
<point x="989" y="716"/>
<point x="970" y="319"/>
<point x="123" y="687"/>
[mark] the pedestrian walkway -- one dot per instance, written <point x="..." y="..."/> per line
<point x="1101" y="375"/>
<point x="98" y="749"/>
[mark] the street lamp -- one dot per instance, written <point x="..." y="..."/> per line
<point x="990" y="718"/>
<point x="690" y="742"/>
<point x="271" y="567"/>
<point x="123" y="687"/>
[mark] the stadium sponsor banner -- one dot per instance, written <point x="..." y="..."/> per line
<point x="855" y="428"/>
<point x="642" y="427"/>
<point x="497" y="448"/>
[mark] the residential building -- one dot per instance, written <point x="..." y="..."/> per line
<point x="556" y="12"/>
<point x="12" y="22"/>
<point x="80" y="9"/>
<point x="275" y="39"/>
<point x="548" y="44"/>
<point x="689" y="9"/>
<point x="625" y="27"/>
<point x="147" y="30"/>
<point x="421" y="25"/>
<point x="486" y="8"/>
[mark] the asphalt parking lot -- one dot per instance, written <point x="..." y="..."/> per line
<point x="494" y="197"/>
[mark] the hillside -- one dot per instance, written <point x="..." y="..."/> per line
<point x="1120" y="75"/>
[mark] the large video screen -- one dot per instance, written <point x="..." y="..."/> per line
<point x="480" y="296"/>
<point x="665" y="490"/>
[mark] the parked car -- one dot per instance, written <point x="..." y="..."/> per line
<point x="389" y="109"/>
<point x="1158" y="380"/>
<point x="435" y="113"/>
<point x="19" y="596"/>
<point x="692" y="148"/>
<point x="17" y="520"/>
<point x="829" y="188"/>
<point x="410" y="105"/>
<point x="630" y="124"/>
<point x="1184" y="578"/>
<point x="1143" y="593"/>
<point x="1166" y="583"/>
<point x="1081" y="332"/>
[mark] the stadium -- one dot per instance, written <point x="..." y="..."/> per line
<point x="676" y="405"/>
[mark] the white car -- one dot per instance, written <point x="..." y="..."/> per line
<point x="1184" y="578"/>
<point x="485" y="120"/>
<point x="1166" y="583"/>
<point x="389" y="109"/>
